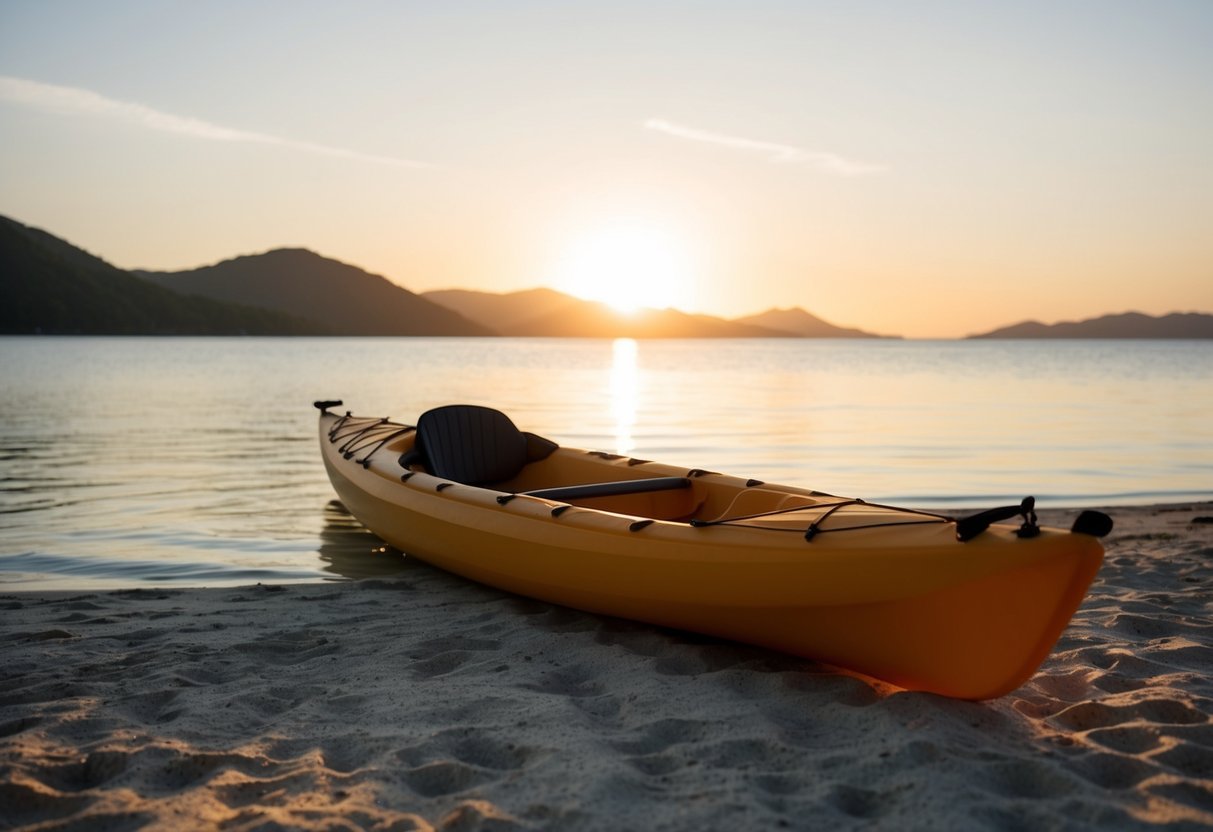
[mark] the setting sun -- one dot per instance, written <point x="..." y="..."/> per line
<point x="627" y="266"/>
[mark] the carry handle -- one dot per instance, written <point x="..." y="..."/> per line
<point x="968" y="528"/>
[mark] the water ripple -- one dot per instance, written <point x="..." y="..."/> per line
<point x="141" y="460"/>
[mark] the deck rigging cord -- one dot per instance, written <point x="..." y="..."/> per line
<point x="357" y="434"/>
<point x="368" y="435"/>
<point x="814" y="527"/>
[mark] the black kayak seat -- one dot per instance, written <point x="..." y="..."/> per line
<point x="473" y="445"/>
<point x="613" y="488"/>
<point x="480" y="446"/>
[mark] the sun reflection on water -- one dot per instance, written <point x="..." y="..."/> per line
<point x="625" y="391"/>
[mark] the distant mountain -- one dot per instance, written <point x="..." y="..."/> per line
<point x="49" y="286"/>
<point x="502" y="313"/>
<point x="798" y="322"/>
<point x="346" y="299"/>
<point x="598" y="320"/>
<point x="548" y="313"/>
<point x="1127" y="325"/>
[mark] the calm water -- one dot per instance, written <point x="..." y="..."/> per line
<point x="130" y="461"/>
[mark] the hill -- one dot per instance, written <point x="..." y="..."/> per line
<point x="801" y="323"/>
<point x="504" y="313"/>
<point x="548" y="313"/>
<point x="347" y="299"/>
<point x="587" y="319"/>
<point x="1126" y="325"/>
<point x="49" y="286"/>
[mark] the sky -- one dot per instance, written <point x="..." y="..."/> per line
<point x="927" y="169"/>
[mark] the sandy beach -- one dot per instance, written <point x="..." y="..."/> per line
<point x="420" y="700"/>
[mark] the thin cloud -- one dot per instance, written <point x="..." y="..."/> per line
<point x="74" y="101"/>
<point x="775" y="152"/>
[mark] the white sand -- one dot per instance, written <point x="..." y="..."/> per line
<point x="427" y="701"/>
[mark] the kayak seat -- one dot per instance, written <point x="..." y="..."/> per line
<point x="473" y="445"/>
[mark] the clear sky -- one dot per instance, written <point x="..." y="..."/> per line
<point x="930" y="169"/>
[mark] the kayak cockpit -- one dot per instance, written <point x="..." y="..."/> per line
<point x="481" y="447"/>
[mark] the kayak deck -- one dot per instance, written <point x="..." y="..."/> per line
<point x="889" y="592"/>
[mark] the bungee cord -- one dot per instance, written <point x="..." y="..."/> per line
<point x="370" y="434"/>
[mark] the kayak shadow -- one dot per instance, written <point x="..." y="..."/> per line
<point x="350" y="551"/>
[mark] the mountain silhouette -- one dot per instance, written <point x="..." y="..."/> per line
<point x="504" y="313"/>
<point x="548" y="313"/>
<point x="299" y="282"/>
<point x="1126" y="325"/>
<point x="588" y="319"/>
<point x="799" y="322"/>
<point x="49" y="286"/>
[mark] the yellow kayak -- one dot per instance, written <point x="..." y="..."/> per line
<point x="964" y="607"/>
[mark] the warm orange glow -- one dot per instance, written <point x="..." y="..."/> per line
<point x="625" y="393"/>
<point x="626" y="265"/>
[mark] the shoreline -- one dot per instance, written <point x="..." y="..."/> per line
<point x="422" y="700"/>
<point x="348" y="551"/>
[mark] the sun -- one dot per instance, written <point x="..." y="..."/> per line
<point x="628" y="266"/>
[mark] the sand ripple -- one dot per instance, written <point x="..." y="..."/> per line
<point x="426" y="702"/>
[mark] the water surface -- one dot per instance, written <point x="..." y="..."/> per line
<point x="128" y="461"/>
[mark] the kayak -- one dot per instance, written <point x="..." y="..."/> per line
<point x="965" y="607"/>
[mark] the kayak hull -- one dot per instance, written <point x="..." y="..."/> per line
<point x="908" y="604"/>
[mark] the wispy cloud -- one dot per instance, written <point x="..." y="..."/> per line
<point x="775" y="152"/>
<point x="80" y="102"/>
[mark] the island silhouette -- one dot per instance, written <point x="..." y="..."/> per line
<point x="49" y="286"/>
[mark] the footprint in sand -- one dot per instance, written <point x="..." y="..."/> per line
<point x="1114" y="771"/>
<point x="1087" y="715"/>
<point x="440" y="664"/>
<point x="34" y="803"/>
<point x="16" y="726"/>
<point x="440" y="656"/>
<point x="96" y="769"/>
<point x="664" y="733"/>
<point x="459" y="759"/>
<point x="1025" y="778"/>
<point x="39" y="692"/>
<point x="441" y="777"/>
<point x="1126" y="739"/>
<point x="487" y="752"/>
<point x="858" y="802"/>
<point x="289" y="648"/>
<point x="173" y="770"/>
<point x="575" y="680"/>
<point x="149" y="708"/>
<point x="273" y="791"/>
<point x="1188" y="758"/>
<point x="743" y="753"/>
